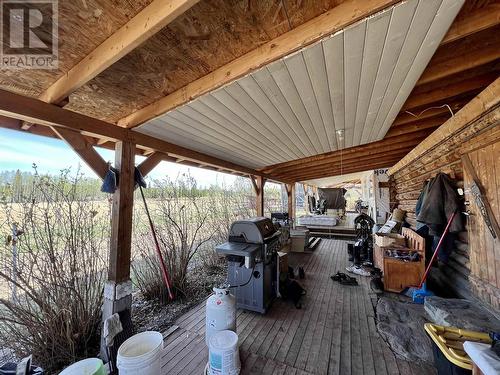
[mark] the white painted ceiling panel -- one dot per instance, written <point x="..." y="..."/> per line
<point x="423" y="17"/>
<point x="377" y="28"/>
<point x="354" y="43"/>
<point x="316" y="68"/>
<point x="355" y="81"/>
<point x="398" y="27"/>
<point x="445" y="16"/>
<point x="333" y="48"/>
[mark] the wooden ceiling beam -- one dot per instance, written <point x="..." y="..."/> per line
<point x="478" y="20"/>
<point x="400" y="148"/>
<point x="46" y="131"/>
<point x="148" y="164"/>
<point x="145" y="24"/>
<point x="361" y="163"/>
<point x="457" y="64"/>
<point x="357" y="168"/>
<point x="455" y="105"/>
<point x="422" y="97"/>
<point x="412" y="127"/>
<point x="335" y="19"/>
<point x="84" y="149"/>
<point x="346" y="153"/>
<point x="487" y="100"/>
<point x="36" y="111"/>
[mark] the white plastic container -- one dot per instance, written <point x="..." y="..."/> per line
<point x="220" y="313"/>
<point x="141" y="354"/>
<point x="223" y="354"/>
<point x="89" y="366"/>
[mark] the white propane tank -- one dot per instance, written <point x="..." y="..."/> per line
<point x="220" y="313"/>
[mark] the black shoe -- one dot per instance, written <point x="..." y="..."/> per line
<point x="338" y="276"/>
<point x="344" y="279"/>
<point x="348" y="280"/>
<point x="377" y="285"/>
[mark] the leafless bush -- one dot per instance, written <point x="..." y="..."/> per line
<point x="182" y="226"/>
<point x="189" y="224"/>
<point x="58" y="274"/>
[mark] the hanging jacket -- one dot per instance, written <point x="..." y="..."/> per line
<point x="441" y="200"/>
<point x="420" y="201"/>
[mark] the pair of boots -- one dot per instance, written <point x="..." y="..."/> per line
<point x="354" y="252"/>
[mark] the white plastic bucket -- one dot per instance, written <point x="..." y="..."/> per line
<point x="223" y="354"/>
<point x="141" y="354"/>
<point x="89" y="366"/>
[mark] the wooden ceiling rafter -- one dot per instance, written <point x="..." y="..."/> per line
<point x="84" y="149"/>
<point x="412" y="127"/>
<point x="486" y="101"/>
<point x="386" y="145"/>
<point x="339" y="160"/>
<point x="352" y="169"/>
<point x="429" y="112"/>
<point x="476" y="21"/>
<point x="449" y="63"/>
<point x="421" y="97"/>
<point x="352" y="166"/>
<point x="145" y="24"/>
<point x="359" y="164"/>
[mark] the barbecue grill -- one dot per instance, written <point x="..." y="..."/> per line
<point x="251" y="255"/>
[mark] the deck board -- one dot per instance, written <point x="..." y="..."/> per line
<point x="334" y="332"/>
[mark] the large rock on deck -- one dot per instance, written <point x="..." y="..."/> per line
<point x="401" y="323"/>
<point x="460" y="313"/>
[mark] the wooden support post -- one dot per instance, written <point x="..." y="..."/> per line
<point x="306" y="189"/>
<point x="118" y="288"/>
<point x="258" y="183"/>
<point x="121" y="220"/>
<point x="290" y="191"/>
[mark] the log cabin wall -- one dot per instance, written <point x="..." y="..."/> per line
<point x="474" y="268"/>
<point x="484" y="249"/>
<point x="455" y="275"/>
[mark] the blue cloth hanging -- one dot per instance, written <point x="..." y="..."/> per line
<point x="110" y="182"/>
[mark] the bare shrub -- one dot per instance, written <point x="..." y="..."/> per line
<point x="190" y="223"/>
<point x="58" y="275"/>
<point x="182" y="221"/>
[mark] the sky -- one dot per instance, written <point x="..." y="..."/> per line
<point x="20" y="150"/>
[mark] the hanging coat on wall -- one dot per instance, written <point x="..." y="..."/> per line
<point x="439" y="202"/>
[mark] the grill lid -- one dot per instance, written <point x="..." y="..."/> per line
<point x="254" y="230"/>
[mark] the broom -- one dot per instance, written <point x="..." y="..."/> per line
<point x="160" y="256"/>
<point x="419" y="293"/>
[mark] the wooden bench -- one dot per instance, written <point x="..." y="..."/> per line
<point x="398" y="274"/>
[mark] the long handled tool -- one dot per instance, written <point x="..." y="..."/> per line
<point x="164" y="272"/>
<point x="418" y="295"/>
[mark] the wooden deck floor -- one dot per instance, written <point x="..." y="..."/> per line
<point x="334" y="332"/>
